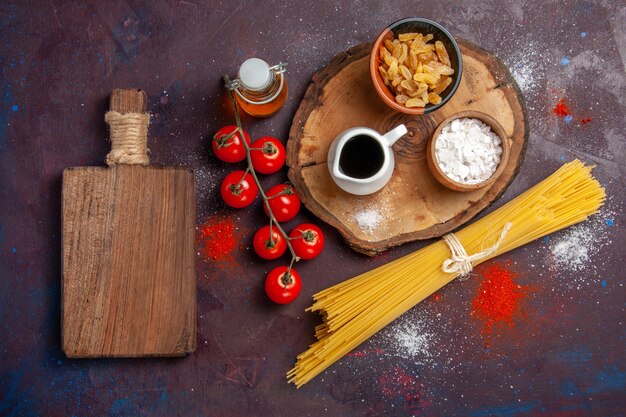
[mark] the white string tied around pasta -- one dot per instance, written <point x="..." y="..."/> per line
<point x="460" y="261"/>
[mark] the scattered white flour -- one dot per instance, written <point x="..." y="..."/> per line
<point x="410" y="340"/>
<point x="417" y="337"/>
<point x="524" y="74"/>
<point x="368" y="220"/>
<point x="572" y="251"/>
<point x="467" y="151"/>
<point x="575" y="249"/>
<point x="525" y="61"/>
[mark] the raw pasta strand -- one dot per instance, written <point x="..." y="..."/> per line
<point x="354" y="310"/>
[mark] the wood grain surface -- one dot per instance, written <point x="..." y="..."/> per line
<point x="413" y="205"/>
<point x="128" y="257"/>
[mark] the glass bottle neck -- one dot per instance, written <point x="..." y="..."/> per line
<point x="259" y="93"/>
<point x="265" y="95"/>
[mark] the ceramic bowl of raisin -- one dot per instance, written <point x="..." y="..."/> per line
<point x="415" y="65"/>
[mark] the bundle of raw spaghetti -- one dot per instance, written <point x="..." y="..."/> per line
<point x="356" y="309"/>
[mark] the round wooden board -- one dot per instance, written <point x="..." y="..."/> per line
<point x="413" y="205"/>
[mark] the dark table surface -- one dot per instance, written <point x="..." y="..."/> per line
<point x="562" y="356"/>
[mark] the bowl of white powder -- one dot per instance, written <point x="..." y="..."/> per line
<point x="468" y="151"/>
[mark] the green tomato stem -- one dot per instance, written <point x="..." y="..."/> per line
<point x="286" y="279"/>
<point x="240" y="181"/>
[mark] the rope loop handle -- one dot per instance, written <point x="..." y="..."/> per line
<point x="129" y="138"/>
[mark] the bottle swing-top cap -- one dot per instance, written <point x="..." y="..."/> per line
<point x="257" y="82"/>
<point x="255" y="74"/>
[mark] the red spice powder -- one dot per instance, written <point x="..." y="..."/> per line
<point x="585" y="120"/>
<point x="216" y="238"/>
<point x="499" y="299"/>
<point x="561" y="109"/>
<point x="396" y="383"/>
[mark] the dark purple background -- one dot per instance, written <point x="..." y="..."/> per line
<point x="61" y="59"/>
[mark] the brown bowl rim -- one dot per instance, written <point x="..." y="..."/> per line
<point x="495" y="126"/>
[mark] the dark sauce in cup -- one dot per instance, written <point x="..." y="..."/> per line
<point x="361" y="157"/>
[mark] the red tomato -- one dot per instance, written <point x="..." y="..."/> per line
<point x="284" y="202"/>
<point x="227" y="144"/>
<point x="239" y="189"/>
<point x="268" y="155"/>
<point x="283" y="287"/>
<point x="307" y="240"/>
<point x="268" y="248"/>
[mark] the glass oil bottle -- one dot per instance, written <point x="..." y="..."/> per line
<point x="260" y="90"/>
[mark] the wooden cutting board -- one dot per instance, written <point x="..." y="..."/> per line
<point x="129" y="284"/>
<point x="413" y="205"/>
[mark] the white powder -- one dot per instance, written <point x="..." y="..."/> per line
<point x="468" y="151"/>
<point x="530" y="64"/>
<point x="412" y="341"/>
<point x="524" y="71"/>
<point x="408" y="338"/>
<point x="368" y="220"/>
<point x="572" y="251"/>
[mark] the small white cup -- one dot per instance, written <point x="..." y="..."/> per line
<point x="369" y="178"/>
